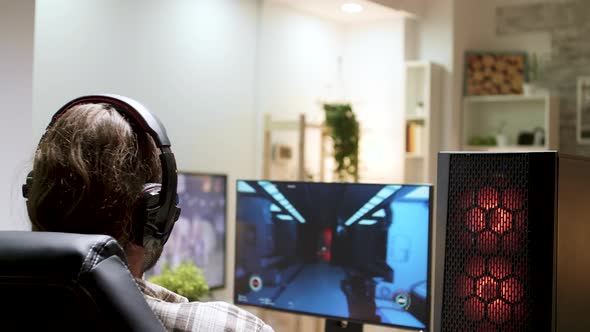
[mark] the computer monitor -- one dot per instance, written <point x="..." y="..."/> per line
<point x="343" y="251"/>
<point x="199" y="234"/>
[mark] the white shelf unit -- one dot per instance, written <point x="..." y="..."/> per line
<point x="484" y="115"/>
<point x="422" y="85"/>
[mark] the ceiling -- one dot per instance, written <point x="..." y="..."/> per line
<point x="330" y="9"/>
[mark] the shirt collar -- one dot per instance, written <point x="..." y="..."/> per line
<point x="158" y="292"/>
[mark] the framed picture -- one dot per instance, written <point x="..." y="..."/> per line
<point x="494" y="73"/>
<point x="583" y="110"/>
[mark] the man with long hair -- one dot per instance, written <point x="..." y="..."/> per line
<point x="90" y="168"/>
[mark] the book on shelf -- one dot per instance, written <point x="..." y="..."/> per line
<point x="414" y="138"/>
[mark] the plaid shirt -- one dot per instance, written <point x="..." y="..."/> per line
<point x="177" y="314"/>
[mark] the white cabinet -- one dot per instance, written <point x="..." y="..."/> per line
<point x="510" y="122"/>
<point x="422" y="121"/>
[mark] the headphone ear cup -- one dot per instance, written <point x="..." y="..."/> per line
<point x="149" y="218"/>
<point x="145" y="217"/>
<point x="150" y="195"/>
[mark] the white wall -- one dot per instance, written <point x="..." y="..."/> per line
<point x="476" y="26"/>
<point x="413" y="7"/>
<point x="192" y="62"/>
<point x="16" y="81"/>
<point x="297" y="63"/>
<point x="373" y="76"/>
<point x="304" y="59"/>
<point x="435" y="29"/>
<point x="298" y="55"/>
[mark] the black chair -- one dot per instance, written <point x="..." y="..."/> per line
<point x="68" y="282"/>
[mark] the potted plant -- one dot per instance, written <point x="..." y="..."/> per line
<point x="185" y="279"/>
<point x="483" y="141"/>
<point x="343" y="128"/>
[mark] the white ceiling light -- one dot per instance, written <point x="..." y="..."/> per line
<point x="351" y="8"/>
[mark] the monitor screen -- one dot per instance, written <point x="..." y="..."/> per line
<point x="357" y="252"/>
<point x="199" y="233"/>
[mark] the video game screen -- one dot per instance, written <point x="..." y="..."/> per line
<point x="199" y="233"/>
<point x="350" y="251"/>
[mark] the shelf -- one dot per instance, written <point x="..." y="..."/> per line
<point x="422" y="119"/>
<point x="506" y="148"/>
<point x="513" y="115"/>
<point x="417" y="64"/>
<point x="415" y="118"/>
<point x="505" y="98"/>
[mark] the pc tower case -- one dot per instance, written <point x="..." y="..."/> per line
<point x="513" y="242"/>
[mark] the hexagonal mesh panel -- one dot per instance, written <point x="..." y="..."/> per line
<point x="486" y="258"/>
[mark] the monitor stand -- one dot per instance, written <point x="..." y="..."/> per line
<point x="333" y="325"/>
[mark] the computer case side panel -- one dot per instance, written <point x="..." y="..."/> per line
<point x="573" y="245"/>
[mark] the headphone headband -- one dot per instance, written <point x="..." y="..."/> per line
<point x="128" y="107"/>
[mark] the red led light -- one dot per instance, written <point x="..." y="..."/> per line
<point x="464" y="286"/>
<point x="486" y="288"/>
<point x="499" y="311"/>
<point x="513" y="199"/>
<point x="487" y="198"/>
<point x="474" y="309"/>
<point x="476" y="266"/>
<point x="487" y="243"/>
<point x="499" y="267"/>
<point x="475" y="220"/>
<point x="512" y="290"/>
<point x="501" y="221"/>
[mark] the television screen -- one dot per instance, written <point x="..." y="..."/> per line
<point x="199" y="233"/>
<point x="356" y="252"/>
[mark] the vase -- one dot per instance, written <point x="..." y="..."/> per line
<point x="528" y="89"/>
<point x="501" y="140"/>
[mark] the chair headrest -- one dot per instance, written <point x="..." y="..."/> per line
<point x="53" y="254"/>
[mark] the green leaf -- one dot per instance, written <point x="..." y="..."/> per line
<point x="343" y="128"/>
<point x="185" y="279"/>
